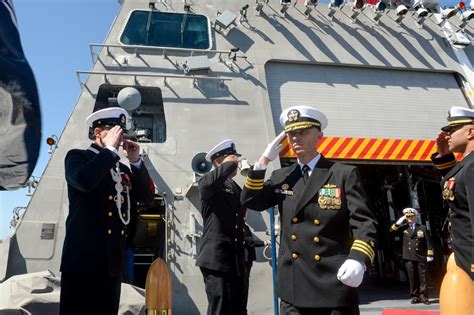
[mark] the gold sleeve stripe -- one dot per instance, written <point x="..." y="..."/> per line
<point x="254" y="185"/>
<point x="253" y="188"/>
<point x="446" y="165"/>
<point x="472" y="267"/>
<point x="254" y="182"/>
<point x="430" y="252"/>
<point x="363" y="250"/>
<point x="364" y="244"/>
<point x="250" y="180"/>
<point x="394" y="227"/>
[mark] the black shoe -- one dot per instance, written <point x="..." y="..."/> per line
<point x="425" y="301"/>
<point x="415" y="300"/>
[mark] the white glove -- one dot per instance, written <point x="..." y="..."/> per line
<point x="351" y="273"/>
<point x="273" y="148"/>
<point x="401" y="220"/>
<point x="429" y="258"/>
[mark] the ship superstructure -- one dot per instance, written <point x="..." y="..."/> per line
<point x="212" y="70"/>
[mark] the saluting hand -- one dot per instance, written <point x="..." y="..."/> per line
<point x="272" y="150"/>
<point x="400" y="220"/>
<point x="132" y="150"/>
<point x="231" y="158"/>
<point x="442" y="144"/>
<point x="114" y="137"/>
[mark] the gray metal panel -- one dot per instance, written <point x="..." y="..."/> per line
<point x="364" y="102"/>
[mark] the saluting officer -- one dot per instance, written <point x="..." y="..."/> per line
<point x="221" y="251"/>
<point x="458" y="193"/>
<point x="417" y="251"/>
<point x="327" y="228"/>
<point x="101" y="193"/>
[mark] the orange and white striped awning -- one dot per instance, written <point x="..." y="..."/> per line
<point x="343" y="148"/>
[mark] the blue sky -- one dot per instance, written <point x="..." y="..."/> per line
<point x="55" y="36"/>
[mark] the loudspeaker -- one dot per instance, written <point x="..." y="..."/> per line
<point x="200" y="165"/>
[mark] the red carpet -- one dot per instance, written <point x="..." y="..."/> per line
<point x="408" y="312"/>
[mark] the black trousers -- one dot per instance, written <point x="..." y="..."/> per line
<point x="225" y="292"/>
<point x="416" y="271"/>
<point x="89" y="293"/>
<point x="248" y="267"/>
<point x="290" y="309"/>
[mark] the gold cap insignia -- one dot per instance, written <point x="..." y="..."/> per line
<point x="293" y="115"/>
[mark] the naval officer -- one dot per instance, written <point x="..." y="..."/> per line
<point x="417" y="252"/>
<point x="458" y="193"/>
<point x="101" y="193"/>
<point x="328" y="230"/>
<point x="221" y="252"/>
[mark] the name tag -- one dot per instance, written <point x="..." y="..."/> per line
<point x="284" y="192"/>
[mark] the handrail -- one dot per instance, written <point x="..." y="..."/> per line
<point x="135" y="76"/>
<point x="274" y="260"/>
<point x="137" y="48"/>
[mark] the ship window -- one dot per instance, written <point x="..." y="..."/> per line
<point x="148" y="120"/>
<point x="164" y="29"/>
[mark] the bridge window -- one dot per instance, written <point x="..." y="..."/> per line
<point x="165" y="29"/>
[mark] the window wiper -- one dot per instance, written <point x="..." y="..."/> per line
<point x="183" y="24"/>
<point x="148" y="26"/>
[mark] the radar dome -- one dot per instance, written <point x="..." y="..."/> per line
<point x="129" y="98"/>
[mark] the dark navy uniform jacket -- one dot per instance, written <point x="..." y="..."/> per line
<point x="250" y="243"/>
<point x="222" y="243"/>
<point x="323" y="223"/>
<point x="95" y="235"/>
<point x="416" y="242"/>
<point x="458" y="191"/>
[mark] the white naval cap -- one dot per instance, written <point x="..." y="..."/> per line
<point x="302" y="117"/>
<point x="111" y="116"/>
<point x="459" y="116"/>
<point x="226" y="147"/>
<point x="409" y="212"/>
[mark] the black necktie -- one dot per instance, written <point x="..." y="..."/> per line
<point x="305" y="173"/>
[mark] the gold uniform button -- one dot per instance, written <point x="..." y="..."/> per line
<point x="295" y="219"/>
<point x="316" y="239"/>
<point x="294" y="256"/>
<point x="235" y="239"/>
<point x="111" y="197"/>
<point x="236" y="226"/>
<point x="123" y="232"/>
<point x="316" y="221"/>
<point x="317" y="257"/>
<point x="293" y="237"/>
<point x="110" y="213"/>
<point x="109" y="231"/>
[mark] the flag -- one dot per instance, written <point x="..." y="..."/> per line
<point x="20" y="116"/>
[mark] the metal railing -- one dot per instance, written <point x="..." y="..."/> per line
<point x="232" y="54"/>
<point x="136" y="75"/>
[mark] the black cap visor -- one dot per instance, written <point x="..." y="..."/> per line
<point x="225" y="152"/>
